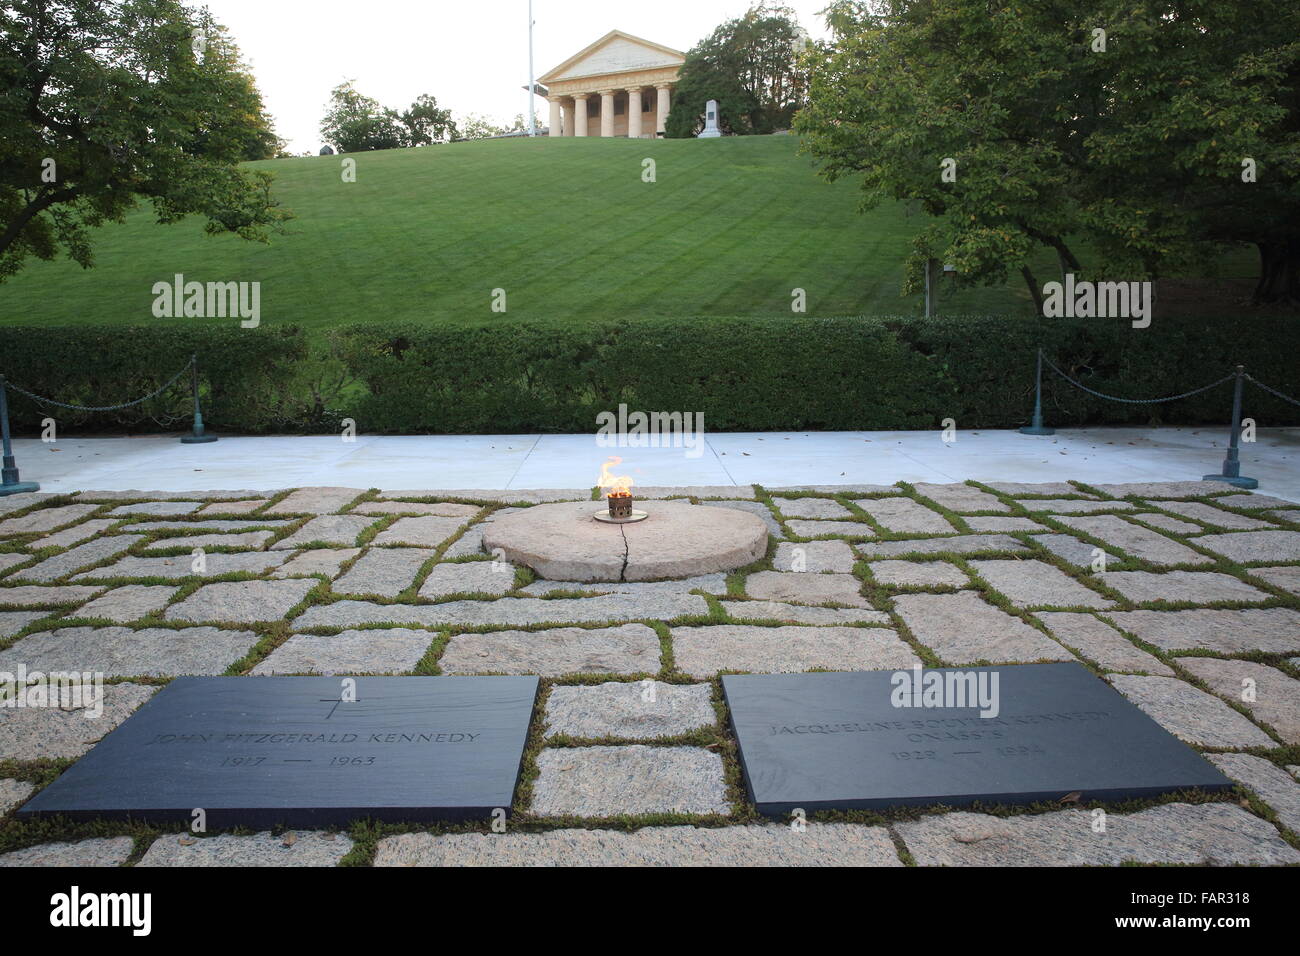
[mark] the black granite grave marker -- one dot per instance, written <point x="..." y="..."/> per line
<point x="835" y="741"/>
<point x="261" y="751"/>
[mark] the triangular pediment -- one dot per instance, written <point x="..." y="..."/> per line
<point x="615" y="52"/>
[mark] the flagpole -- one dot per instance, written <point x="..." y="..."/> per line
<point x="532" y="88"/>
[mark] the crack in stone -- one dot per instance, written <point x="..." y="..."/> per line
<point x="622" y="572"/>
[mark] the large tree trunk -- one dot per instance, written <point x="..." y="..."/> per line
<point x="1279" y="272"/>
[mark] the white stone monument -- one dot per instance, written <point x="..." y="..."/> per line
<point x="710" y="122"/>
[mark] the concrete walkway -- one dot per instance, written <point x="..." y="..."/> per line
<point x="773" y="459"/>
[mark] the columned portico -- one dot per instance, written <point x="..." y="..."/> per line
<point x="557" y="117"/>
<point x="616" y="72"/>
<point x="580" y="115"/>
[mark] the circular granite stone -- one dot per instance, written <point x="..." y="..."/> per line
<point x="564" y="542"/>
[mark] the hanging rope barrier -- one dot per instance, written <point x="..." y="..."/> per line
<point x="9" y="479"/>
<point x="1135" y="401"/>
<point x="1272" y="391"/>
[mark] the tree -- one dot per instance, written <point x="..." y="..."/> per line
<point x="473" y="126"/>
<point x="1108" y="126"/>
<point x="425" y="123"/>
<point x="356" y="123"/>
<point x="750" y="66"/>
<point x="111" y="102"/>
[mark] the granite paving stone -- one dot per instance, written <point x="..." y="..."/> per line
<point x="468" y="544"/>
<point x="813" y="556"/>
<point x="626" y="649"/>
<point x="242" y="602"/>
<point x="960" y="497"/>
<point x="244" y="507"/>
<point x="507" y="611"/>
<point x="956" y="544"/>
<point x="1276" y="696"/>
<point x="1073" y="550"/>
<point x="97" y="852"/>
<point x="122" y="652"/>
<point x="804" y="587"/>
<point x="166" y="509"/>
<point x="74" y="535"/>
<point x="11" y="559"/>
<point x="468" y="577"/>
<point x="1254" y="546"/>
<point x="632" y="710"/>
<point x="242" y="540"/>
<point x="837" y="489"/>
<point x="129" y="602"/>
<point x="1101" y="643"/>
<point x="633" y="779"/>
<point x="384" y="650"/>
<point x="1166" y="489"/>
<point x="840" y="529"/>
<point x="1037" y="584"/>
<point x="11" y="622"/>
<point x="1073" y="506"/>
<point x="1190" y="714"/>
<point x="66" y="732"/>
<point x="715" y="583"/>
<point x="1018" y="489"/>
<point x="1168" y="523"/>
<point x="13" y="793"/>
<point x="1196" y="587"/>
<point x="327" y="529"/>
<point x="704" y="651"/>
<point x="1137" y="541"/>
<point x="798" y="614"/>
<point x="92" y="552"/>
<point x="448" y="509"/>
<point x="210" y="524"/>
<point x="315" y="501"/>
<point x="384" y="571"/>
<point x="45" y="519"/>
<point x="424" y="532"/>
<point x="811" y="508"/>
<point x="920" y="574"/>
<point x="820" y="844"/>
<point x="1275" y="630"/>
<point x="963" y="629"/>
<point x="296" y="848"/>
<point x="1286" y="578"/>
<point x="905" y="516"/>
<point x="326" y="561"/>
<point x="182" y="566"/>
<point x="1270" y="783"/>
<point x="11" y="503"/>
<point x="763" y="512"/>
<point x="1003" y="523"/>
<point x="43" y="595"/>
<point x="1208" y="833"/>
<point x="1208" y="514"/>
<point x="520" y="495"/>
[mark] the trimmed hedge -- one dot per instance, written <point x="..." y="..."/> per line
<point x="752" y="374"/>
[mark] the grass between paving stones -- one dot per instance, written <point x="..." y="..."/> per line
<point x="717" y="738"/>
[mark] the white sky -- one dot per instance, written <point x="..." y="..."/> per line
<point x="470" y="54"/>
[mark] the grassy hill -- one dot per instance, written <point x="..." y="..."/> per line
<point x="567" y="227"/>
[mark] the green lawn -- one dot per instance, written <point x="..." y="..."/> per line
<point x="565" y="226"/>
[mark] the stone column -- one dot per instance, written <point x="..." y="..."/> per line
<point x="606" y="113"/>
<point x="663" y="105"/>
<point x="557" y="123"/>
<point x="634" y="113"/>
<point x="580" y="114"/>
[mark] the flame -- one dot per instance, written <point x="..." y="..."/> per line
<point x="618" y="486"/>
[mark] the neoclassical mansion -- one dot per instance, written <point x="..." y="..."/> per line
<point x="621" y="85"/>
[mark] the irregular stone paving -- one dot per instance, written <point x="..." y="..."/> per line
<point x="1137" y="541"/>
<point x="850" y="609"/>
<point x="1190" y="714"/>
<point x="637" y="710"/>
<point x="1210" y="833"/>
<point x="1037" y="584"/>
<point x="704" y="651"/>
<point x="962" y="629"/>
<point x="604" y="781"/>
<point x="1271" y="697"/>
<point x="824" y="844"/>
<point x="292" y="848"/>
<point x="1102" y="644"/>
